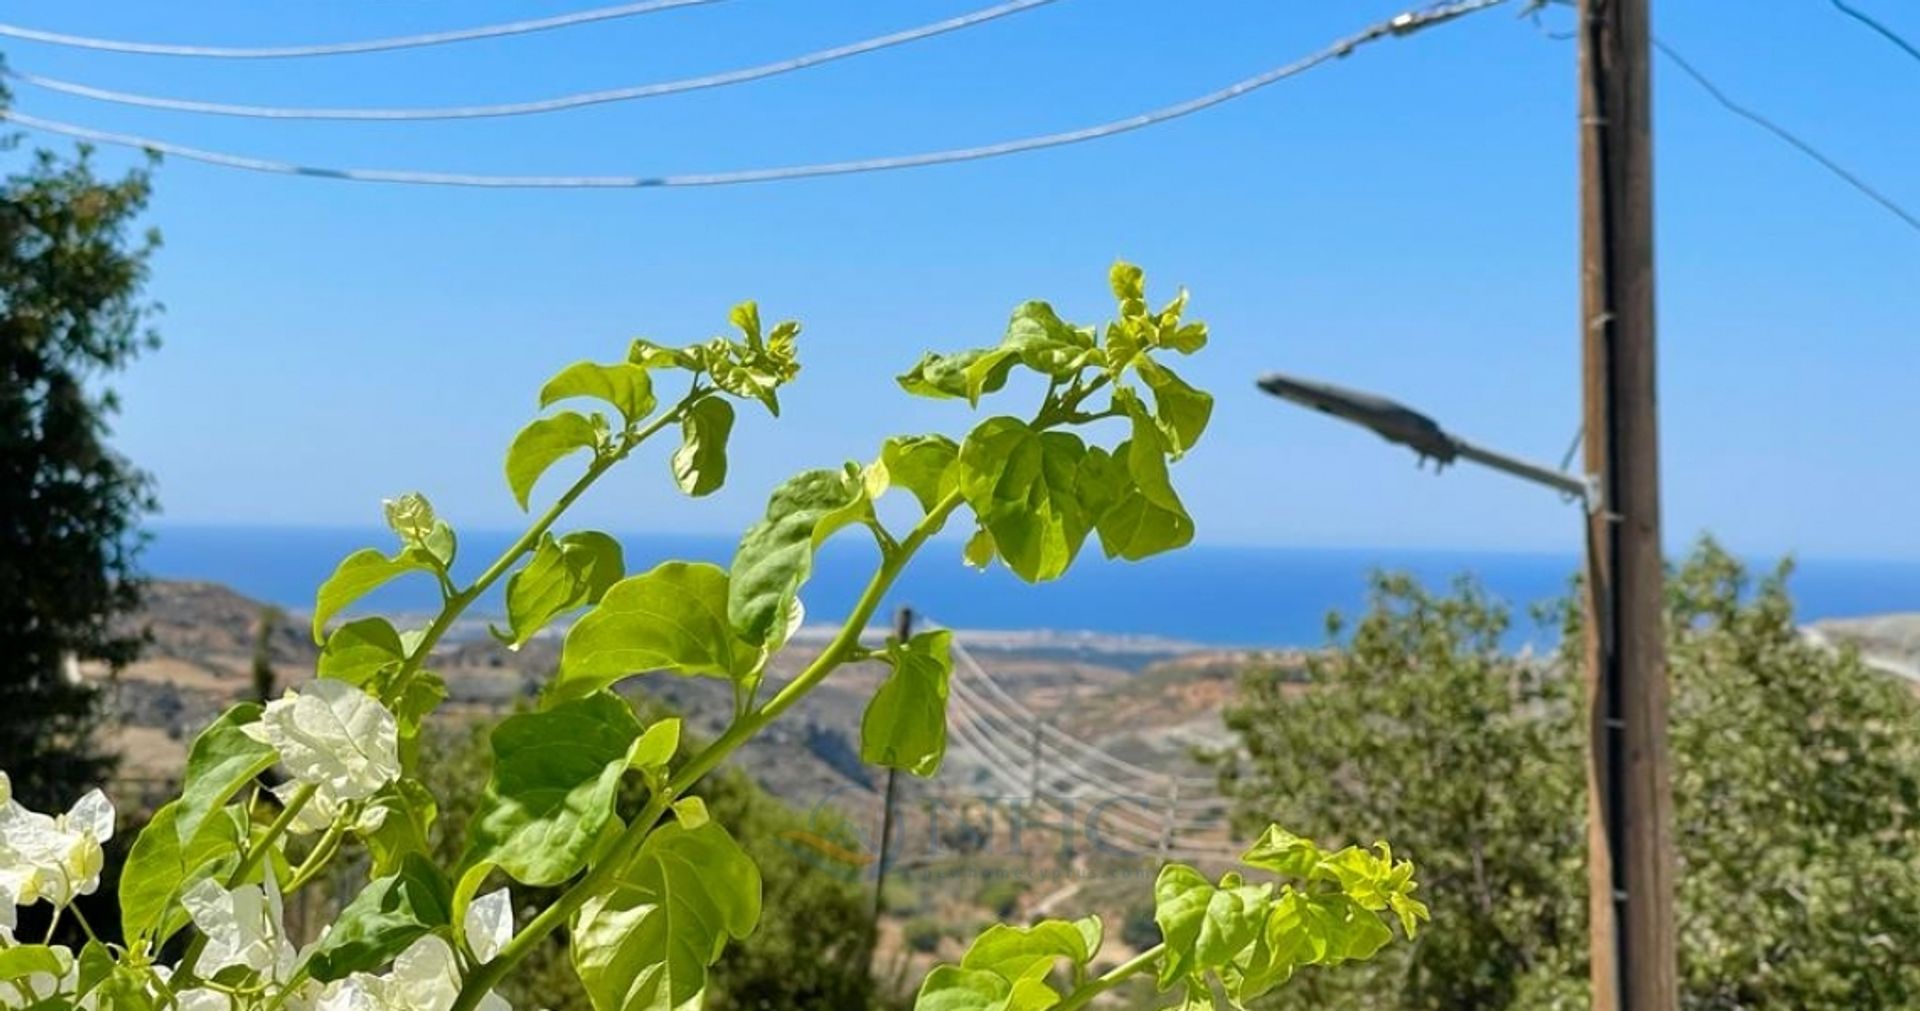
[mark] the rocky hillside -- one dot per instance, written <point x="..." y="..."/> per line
<point x="1151" y="701"/>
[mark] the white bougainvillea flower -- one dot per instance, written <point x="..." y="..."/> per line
<point x="426" y="976"/>
<point x="202" y="999"/>
<point x="316" y="816"/>
<point x="334" y="736"/>
<point x="52" y="857"/>
<point x="243" y="927"/>
<point x="489" y="924"/>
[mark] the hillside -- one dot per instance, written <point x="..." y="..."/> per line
<point x="1148" y="700"/>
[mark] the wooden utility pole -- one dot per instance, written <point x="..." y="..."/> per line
<point x="1629" y="796"/>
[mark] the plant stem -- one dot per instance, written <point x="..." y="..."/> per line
<point x="1111" y="978"/>
<point x="846" y="643"/>
<point x="323" y="851"/>
<point x="248" y="864"/>
<point x="258" y="851"/>
<point x="459" y="602"/>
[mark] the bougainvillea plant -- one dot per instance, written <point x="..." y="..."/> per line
<point x="651" y="898"/>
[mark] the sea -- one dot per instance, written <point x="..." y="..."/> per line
<point x="1207" y="595"/>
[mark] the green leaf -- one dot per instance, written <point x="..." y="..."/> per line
<point x="159" y="869"/>
<point x="1021" y="485"/>
<point x="746" y="318"/>
<point x="626" y="386"/>
<point x="1205" y="927"/>
<point x="1148" y="518"/>
<point x="359" y="652"/>
<point x="1017" y="953"/>
<point x="357" y="575"/>
<point x="646" y="946"/>
<point x="419" y="697"/>
<point x="1181" y="410"/>
<point x="21" y="961"/>
<point x="952" y="988"/>
<point x="573" y="571"/>
<point x="1235" y="915"/>
<point x="1180" y="897"/>
<point x="672" y="619"/>
<point x="647" y="354"/>
<point x="979" y="550"/>
<point x="1337" y="929"/>
<point x="555" y="775"/>
<point x="1045" y="343"/>
<point x="700" y="464"/>
<point x="1185" y="338"/>
<point x="905" y="726"/>
<point x="98" y="981"/>
<point x="222" y="760"/>
<point x="757" y="368"/>
<point x="388" y="915"/>
<point x="1282" y="852"/>
<point x="923" y="465"/>
<point x="541" y="444"/>
<point x="691" y="812"/>
<point x="965" y="374"/>
<point x="1129" y="282"/>
<point x="776" y="555"/>
<point x="656" y="747"/>
<point x="401" y="817"/>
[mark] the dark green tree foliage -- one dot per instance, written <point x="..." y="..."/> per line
<point x="71" y="313"/>
<point x="1797" y="780"/>
<point x="1421" y="727"/>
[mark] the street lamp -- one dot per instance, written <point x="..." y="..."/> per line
<point x="1396" y="422"/>
<point x="1617" y="828"/>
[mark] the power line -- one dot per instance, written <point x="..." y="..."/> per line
<point x="1064" y="741"/>
<point x="343" y="48"/>
<point x="1401" y="25"/>
<point x="1866" y="19"/>
<point x="1125" y="825"/>
<point x="574" y="101"/>
<point x="1787" y="136"/>
<point x="1066" y="778"/>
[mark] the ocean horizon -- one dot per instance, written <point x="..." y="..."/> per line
<point x="1211" y="595"/>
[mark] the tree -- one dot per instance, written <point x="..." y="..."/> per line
<point x="71" y="313"/>
<point x="1421" y="727"/>
<point x="1797" y="779"/>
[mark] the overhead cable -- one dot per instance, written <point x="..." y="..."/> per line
<point x="1791" y="139"/>
<point x="573" y="101"/>
<point x="1879" y="27"/>
<point x="526" y="27"/>
<point x="1400" y="25"/>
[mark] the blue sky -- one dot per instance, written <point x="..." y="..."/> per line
<point x="1403" y="221"/>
